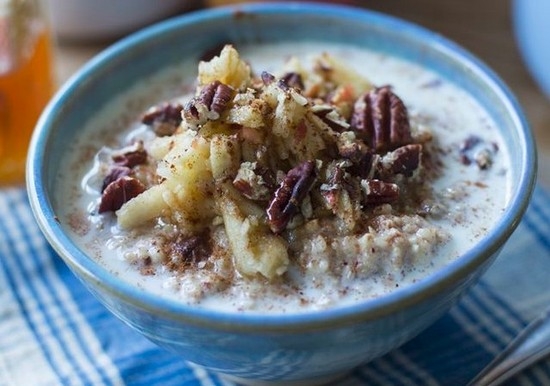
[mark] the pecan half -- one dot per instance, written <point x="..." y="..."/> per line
<point x="216" y="96"/>
<point x="164" y="119"/>
<point x="290" y="194"/>
<point x="379" y="192"/>
<point x="118" y="192"/>
<point x="209" y="104"/>
<point x="381" y="119"/>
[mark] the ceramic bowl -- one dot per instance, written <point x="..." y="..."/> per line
<point x="307" y="348"/>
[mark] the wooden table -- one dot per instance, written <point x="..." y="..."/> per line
<point x="485" y="29"/>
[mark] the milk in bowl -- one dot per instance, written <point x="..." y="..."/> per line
<point x="284" y="178"/>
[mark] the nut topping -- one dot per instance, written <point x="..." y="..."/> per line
<point x="130" y="157"/>
<point x="337" y="182"/>
<point x="265" y="157"/>
<point x="475" y="149"/>
<point x="380" y="118"/>
<point x="293" y="79"/>
<point x="118" y="192"/>
<point x="290" y="194"/>
<point x="115" y="172"/>
<point x="164" y="119"/>
<point x="331" y="118"/>
<point x="216" y="96"/>
<point x="267" y="78"/>
<point x="403" y="160"/>
<point x="187" y="250"/>
<point x="254" y="181"/>
<point x="379" y="192"/>
<point x="364" y="160"/>
<point x="210" y="103"/>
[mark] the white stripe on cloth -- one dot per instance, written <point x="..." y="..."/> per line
<point x="373" y="375"/>
<point x="22" y="361"/>
<point x="405" y="362"/>
<point x="397" y="367"/>
<point x="201" y="374"/>
<point x="477" y="322"/>
<point x="67" y="340"/>
<point x="540" y="375"/>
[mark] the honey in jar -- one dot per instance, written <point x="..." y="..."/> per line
<point x="26" y="81"/>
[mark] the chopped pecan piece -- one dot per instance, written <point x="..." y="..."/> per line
<point x="403" y="160"/>
<point x="475" y="149"/>
<point x="364" y="160"/>
<point x="332" y="188"/>
<point x="365" y="166"/>
<point x="330" y="117"/>
<point x="379" y="192"/>
<point x="469" y="143"/>
<point x="267" y="78"/>
<point x="118" y="192"/>
<point x="216" y="96"/>
<point x="337" y="181"/>
<point x="293" y="79"/>
<point x="209" y="104"/>
<point x="131" y="157"/>
<point x="381" y="119"/>
<point x="484" y="158"/>
<point x="163" y="119"/>
<point x="115" y="172"/>
<point x="254" y="181"/>
<point x="186" y="250"/>
<point x="289" y="195"/>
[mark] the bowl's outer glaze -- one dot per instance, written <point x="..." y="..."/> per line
<point x="284" y="347"/>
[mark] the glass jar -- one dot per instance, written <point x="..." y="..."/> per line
<point x="26" y="80"/>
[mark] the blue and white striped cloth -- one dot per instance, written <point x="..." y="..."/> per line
<point x="53" y="332"/>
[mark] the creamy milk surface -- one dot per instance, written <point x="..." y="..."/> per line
<point x="469" y="192"/>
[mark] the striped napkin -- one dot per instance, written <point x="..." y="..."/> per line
<point x="53" y="332"/>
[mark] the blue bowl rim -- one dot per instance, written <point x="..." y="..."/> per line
<point x="362" y="311"/>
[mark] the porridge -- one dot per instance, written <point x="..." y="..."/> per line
<point x="286" y="178"/>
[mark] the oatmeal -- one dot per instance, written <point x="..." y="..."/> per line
<point x="290" y="178"/>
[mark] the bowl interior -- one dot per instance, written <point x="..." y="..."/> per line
<point x="147" y="52"/>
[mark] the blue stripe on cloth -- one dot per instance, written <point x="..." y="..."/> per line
<point x="139" y="363"/>
<point x="55" y="305"/>
<point x="59" y="313"/>
<point x="537" y="219"/>
<point x="9" y="257"/>
<point x="34" y="311"/>
<point x="495" y="318"/>
<point x="393" y="369"/>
